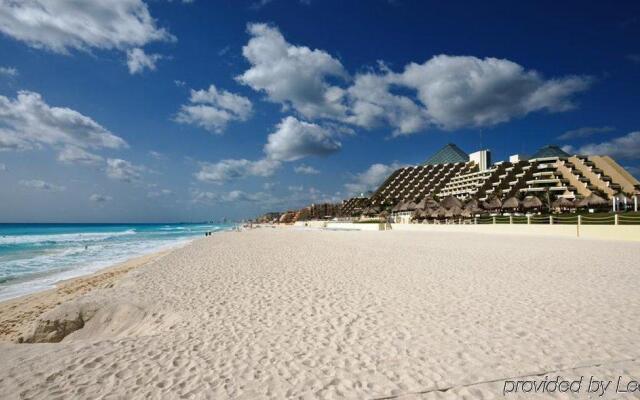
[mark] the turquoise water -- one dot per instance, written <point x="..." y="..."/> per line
<point x="35" y="256"/>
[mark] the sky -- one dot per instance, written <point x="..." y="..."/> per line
<point x="163" y="111"/>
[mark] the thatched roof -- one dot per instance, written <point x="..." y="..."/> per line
<point x="453" y="212"/>
<point x="409" y="206"/>
<point x="531" y="202"/>
<point x="371" y="210"/>
<point x="563" y="202"/>
<point x="439" y="212"/>
<point x="593" y="200"/>
<point x="398" y="206"/>
<point x="512" y="203"/>
<point x="418" y="214"/>
<point x="466" y="213"/>
<point x="427" y="203"/>
<point x="473" y="206"/>
<point x="494" y="203"/>
<point x="450" y="201"/>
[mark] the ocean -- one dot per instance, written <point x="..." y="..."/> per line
<point x="34" y="257"/>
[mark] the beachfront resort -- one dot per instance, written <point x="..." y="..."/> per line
<point x="452" y="186"/>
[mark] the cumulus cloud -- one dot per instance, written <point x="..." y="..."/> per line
<point x="626" y="147"/>
<point x="61" y="26"/>
<point x="28" y="122"/>
<point x="292" y="75"/>
<point x="305" y="170"/>
<point x="41" y="185"/>
<point x="10" y="72"/>
<point x="229" y="169"/>
<point x="213" y="109"/>
<point x="371" y="178"/>
<point x="459" y="91"/>
<point x="100" y="198"/>
<point x="138" y="60"/>
<point x="123" y="170"/>
<point x="445" y="92"/>
<point x="292" y="140"/>
<point x="585" y="132"/>
<point x="373" y="105"/>
<point x="295" y="139"/>
<point x="77" y="155"/>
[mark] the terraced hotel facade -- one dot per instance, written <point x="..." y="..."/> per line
<point x="549" y="172"/>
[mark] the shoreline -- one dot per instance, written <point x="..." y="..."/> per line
<point x="19" y="313"/>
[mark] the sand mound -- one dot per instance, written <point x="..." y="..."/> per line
<point x="55" y="325"/>
<point x="90" y="320"/>
<point x="122" y="320"/>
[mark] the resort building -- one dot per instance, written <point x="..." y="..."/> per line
<point x="550" y="172"/>
<point x="354" y="205"/>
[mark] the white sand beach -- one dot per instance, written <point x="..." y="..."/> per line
<point x="284" y="313"/>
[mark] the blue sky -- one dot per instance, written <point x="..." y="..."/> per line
<point x="192" y="110"/>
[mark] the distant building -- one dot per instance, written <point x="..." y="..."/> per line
<point x="550" y="170"/>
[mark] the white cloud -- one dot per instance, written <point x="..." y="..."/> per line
<point x="585" y="132"/>
<point x="373" y="105"/>
<point x="213" y="109"/>
<point x="446" y="92"/>
<point x="3" y="167"/>
<point x="292" y="75"/>
<point x="41" y="185"/>
<point x="371" y="178"/>
<point x="100" y="198"/>
<point x="627" y="147"/>
<point x="77" y="155"/>
<point x="295" y="139"/>
<point x="229" y="169"/>
<point x="10" y="72"/>
<point x="468" y="91"/>
<point x="61" y="25"/>
<point x="305" y="169"/>
<point x="292" y="140"/>
<point x="138" y="60"/>
<point x="123" y="170"/>
<point x="27" y="122"/>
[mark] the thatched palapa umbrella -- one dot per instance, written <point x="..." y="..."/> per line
<point x="427" y="203"/>
<point x="593" y="200"/>
<point x="451" y="201"/>
<point x="512" y="203"/>
<point x="494" y="203"/>
<point x="409" y="206"/>
<point x="454" y="211"/>
<point x="439" y="213"/>
<point x="531" y="202"/>
<point x="398" y="207"/>
<point x="563" y="202"/>
<point x="473" y="206"/>
<point x="466" y="213"/>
